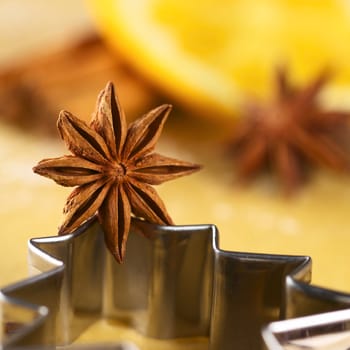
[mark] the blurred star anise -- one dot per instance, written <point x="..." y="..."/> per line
<point x="113" y="167"/>
<point x="290" y="135"/>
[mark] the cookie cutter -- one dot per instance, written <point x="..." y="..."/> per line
<point x="175" y="282"/>
<point x="326" y="331"/>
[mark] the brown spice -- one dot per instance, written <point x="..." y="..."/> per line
<point x="35" y="89"/>
<point x="113" y="167"/>
<point x="291" y="134"/>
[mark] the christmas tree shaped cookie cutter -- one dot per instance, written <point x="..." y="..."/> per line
<point x="175" y="282"/>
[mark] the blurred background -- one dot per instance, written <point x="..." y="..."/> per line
<point x="206" y="61"/>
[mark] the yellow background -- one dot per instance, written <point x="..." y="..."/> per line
<point x="256" y="219"/>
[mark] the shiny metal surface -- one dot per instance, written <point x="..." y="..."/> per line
<point x="175" y="282"/>
<point x="327" y="331"/>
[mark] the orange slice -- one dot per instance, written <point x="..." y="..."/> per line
<point x="211" y="54"/>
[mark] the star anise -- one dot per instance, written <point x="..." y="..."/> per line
<point x="113" y="167"/>
<point x="291" y="134"/>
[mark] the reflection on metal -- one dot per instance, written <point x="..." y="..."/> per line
<point x="175" y="282"/>
<point x="327" y="331"/>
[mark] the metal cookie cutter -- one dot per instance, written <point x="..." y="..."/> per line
<point x="327" y="331"/>
<point x="175" y="282"/>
